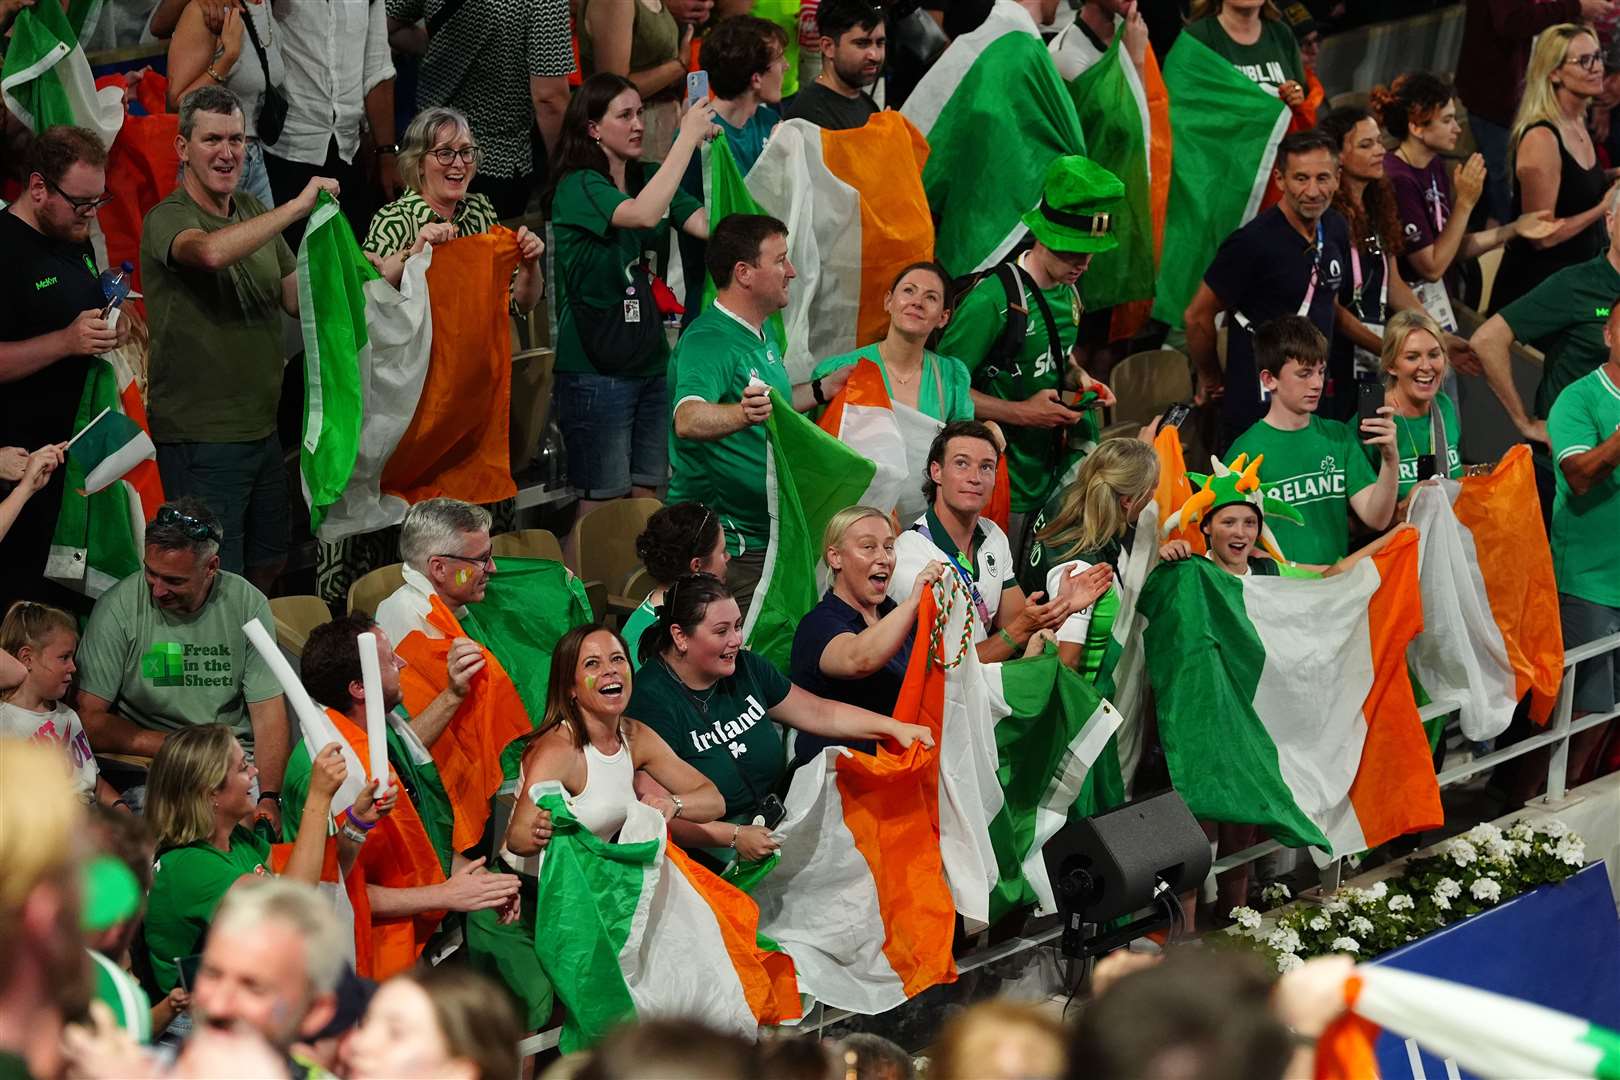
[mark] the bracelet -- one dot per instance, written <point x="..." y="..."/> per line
<point x="349" y="833"/>
<point x="354" y="819"/>
<point x="815" y="392"/>
<point x="679" y="806"/>
<point x="273" y="796"/>
<point x="391" y="148"/>
<point x="212" y="74"/>
<point x="1008" y="638"/>
<point x="735" y="829"/>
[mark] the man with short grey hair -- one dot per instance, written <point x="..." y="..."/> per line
<point x="165" y="650"/>
<point x="447" y="553"/>
<point x="217" y="276"/>
<point x="274" y="957"/>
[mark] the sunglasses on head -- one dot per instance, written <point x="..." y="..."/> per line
<point x="195" y="528"/>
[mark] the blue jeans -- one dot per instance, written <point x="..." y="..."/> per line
<point x="616" y="429"/>
<point x="1492" y="139"/>
<point x="245" y="485"/>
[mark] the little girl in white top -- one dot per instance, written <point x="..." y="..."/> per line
<point x="43" y="639"/>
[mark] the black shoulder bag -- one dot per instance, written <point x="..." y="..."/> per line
<point x="273" y="111"/>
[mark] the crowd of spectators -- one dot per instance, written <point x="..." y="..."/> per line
<point x="153" y="705"/>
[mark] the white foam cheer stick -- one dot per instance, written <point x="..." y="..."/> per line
<point x="376" y="725"/>
<point x="312" y="720"/>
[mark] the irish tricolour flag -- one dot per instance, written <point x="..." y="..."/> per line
<point x="995" y="114"/>
<point x="46" y="78"/>
<point x="636" y="930"/>
<point x="408" y="391"/>
<point x="856" y="214"/>
<point x="1490" y="1035"/>
<point x="1285" y="703"/>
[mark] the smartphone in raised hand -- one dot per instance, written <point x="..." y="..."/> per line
<point x="697" y="87"/>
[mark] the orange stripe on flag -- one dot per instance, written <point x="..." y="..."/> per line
<point x="767" y="976"/>
<point x="468" y="753"/>
<point x="354" y="886"/>
<point x="1516" y="563"/>
<point x="883" y="162"/>
<point x="865" y="387"/>
<point x="1395" y="791"/>
<point x="456" y="445"/>
<point x="891" y="808"/>
<point x="999" y="506"/>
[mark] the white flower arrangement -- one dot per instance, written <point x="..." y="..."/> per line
<point x="1275" y="893"/>
<point x="1470" y="874"/>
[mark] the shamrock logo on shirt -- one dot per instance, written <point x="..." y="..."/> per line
<point x="1328" y="464"/>
<point x="737" y="749"/>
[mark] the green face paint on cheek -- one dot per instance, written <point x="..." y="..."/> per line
<point x="461" y="577"/>
<point x="590" y="682"/>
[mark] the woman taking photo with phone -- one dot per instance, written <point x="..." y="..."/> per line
<point x="1426" y="430"/>
<point x="717" y="705"/>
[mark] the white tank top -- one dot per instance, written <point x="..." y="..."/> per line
<point x="601" y="805"/>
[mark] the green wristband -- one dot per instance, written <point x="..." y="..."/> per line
<point x="1008" y="638"/>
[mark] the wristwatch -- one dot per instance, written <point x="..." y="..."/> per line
<point x="815" y="391"/>
<point x="391" y="148"/>
<point x="273" y="796"/>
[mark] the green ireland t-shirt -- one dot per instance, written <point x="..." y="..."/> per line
<point x="1033" y="467"/>
<point x="420" y="778"/>
<point x="713" y="362"/>
<point x="165" y="670"/>
<point x="1414" y="436"/>
<point x="217" y="357"/>
<point x="944" y="381"/>
<point x="1271" y="61"/>
<point x="639" y="622"/>
<point x="1315" y="470"/>
<point x="121" y="992"/>
<point x="1584" y="527"/>
<point x="187" y="885"/>
<point x="1564" y="318"/>
<point x="722" y="732"/>
<point x="591" y="256"/>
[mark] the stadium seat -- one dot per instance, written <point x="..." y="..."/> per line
<point x="295" y="617"/>
<point x="374" y="588"/>
<point x="528" y="544"/>
<point x="604" y="543"/>
<point x="1147" y="383"/>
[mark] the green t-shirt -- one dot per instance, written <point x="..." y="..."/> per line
<point x="420" y="778"/>
<point x="187" y="885"/>
<point x="1271" y="61"/>
<point x="164" y="670"/>
<point x="1414" y="436"/>
<point x="713" y="362"/>
<point x="1033" y="467"/>
<point x="1315" y="470"/>
<point x="591" y="256"/>
<point x="217" y="356"/>
<point x="944" y="393"/>
<point x="723" y="731"/>
<point x="639" y="622"/>
<point x="1564" y="318"/>
<point x="122" y="993"/>
<point x="1092" y="629"/>
<point x="1584" y="527"/>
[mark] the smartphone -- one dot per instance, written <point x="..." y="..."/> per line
<point x="697" y="87"/>
<point x="1369" y="399"/>
<point x="772" y="810"/>
<point x="1176" y="415"/>
<point x="186" y="967"/>
<point x="1426" y="466"/>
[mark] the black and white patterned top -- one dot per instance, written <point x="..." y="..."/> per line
<point x="480" y="62"/>
<point x="395" y="226"/>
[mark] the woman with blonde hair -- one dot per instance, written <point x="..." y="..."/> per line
<point x="199" y="791"/>
<point x="1413" y="361"/>
<point x="1084" y="530"/>
<point x="855" y="645"/>
<point x="1000" y="1040"/>
<point x="1555" y="166"/>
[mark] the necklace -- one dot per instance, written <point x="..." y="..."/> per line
<point x="700" y="703"/>
<point x="894" y="373"/>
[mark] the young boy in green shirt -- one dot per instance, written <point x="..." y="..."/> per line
<point x="1317" y="466"/>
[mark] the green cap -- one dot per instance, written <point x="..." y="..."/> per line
<point x="1079" y="199"/>
<point x="109" y="894"/>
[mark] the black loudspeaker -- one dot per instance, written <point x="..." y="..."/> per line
<point x="1112" y="864"/>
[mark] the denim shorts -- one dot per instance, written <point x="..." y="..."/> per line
<point x="616" y="429"/>
<point x="1597" y="681"/>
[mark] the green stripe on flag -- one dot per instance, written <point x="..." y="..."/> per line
<point x="1111" y="110"/>
<point x="1608" y="1044"/>
<point x="1224" y="129"/>
<point x="332" y="275"/>
<point x="528" y="605"/>
<point x="94" y="544"/>
<point x="726" y="193"/>
<point x="809" y="477"/>
<point x="111" y="446"/>
<point x="46" y="77"/>
<point x="1205" y="658"/>
<point x="592" y="894"/>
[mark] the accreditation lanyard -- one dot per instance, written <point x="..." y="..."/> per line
<point x="1316" y="270"/>
<point x="1434" y="205"/>
<point x="1383" y="285"/>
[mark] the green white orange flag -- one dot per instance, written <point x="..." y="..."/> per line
<point x="408" y="391"/>
<point x="46" y="77"/>
<point x="113" y="488"/>
<point x="1488" y="1035"/>
<point x="1286" y="703"/>
<point x="1225" y="130"/>
<point x="1125" y="113"/>
<point x="995" y="114"/>
<point x="856" y="213"/>
<point x="635" y="930"/>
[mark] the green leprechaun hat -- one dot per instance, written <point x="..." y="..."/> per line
<point x="1079" y="200"/>
<point x="1229" y="484"/>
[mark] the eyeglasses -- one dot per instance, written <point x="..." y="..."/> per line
<point x="446" y="155"/>
<point x="195" y="528"/>
<point x="1589" y="62"/>
<point x="487" y="559"/>
<point x="84" y="207"/>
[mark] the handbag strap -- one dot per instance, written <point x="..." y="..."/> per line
<point x="258" y="46"/>
<point x="445" y="13"/>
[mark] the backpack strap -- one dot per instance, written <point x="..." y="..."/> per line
<point x="1004" y="354"/>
